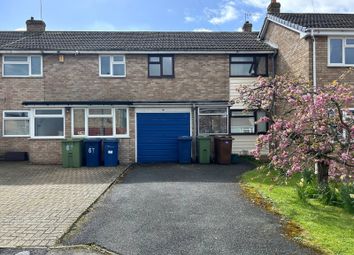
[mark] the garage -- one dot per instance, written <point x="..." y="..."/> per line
<point x="157" y="135"/>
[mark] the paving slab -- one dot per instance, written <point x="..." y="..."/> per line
<point x="182" y="209"/>
<point x="39" y="203"/>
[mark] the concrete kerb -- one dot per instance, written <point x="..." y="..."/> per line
<point x="89" y="247"/>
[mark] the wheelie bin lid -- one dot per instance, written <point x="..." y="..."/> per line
<point x="110" y="140"/>
<point x="185" y="138"/>
<point x="73" y="140"/>
<point x="225" y="138"/>
<point x="87" y="140"/>
<point x="203" y="137"/>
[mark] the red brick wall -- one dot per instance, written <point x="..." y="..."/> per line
<point x="294" y="54"/>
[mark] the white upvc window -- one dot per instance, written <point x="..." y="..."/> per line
<point x="213" y="120"/>
<point x="22" y="66"/>
<point x="341" y="51"/>
<point x="100" y="122"/>
<point x="112" y="66"/>
<point x="16" y="123"/>
<point x="48" y="123"/>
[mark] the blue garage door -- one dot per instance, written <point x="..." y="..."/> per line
<point x="157" y="135"/>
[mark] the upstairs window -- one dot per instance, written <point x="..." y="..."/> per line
<point x="248" y="65"/>
<point x="341" y="51"/>
<point x="112" y="66"/>
<point x="22" y="66"/>
<point x="161" y="66"/>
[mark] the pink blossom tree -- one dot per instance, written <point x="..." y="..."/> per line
<point x="306" y="126"/>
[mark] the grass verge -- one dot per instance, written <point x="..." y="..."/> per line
<point x="327" y="229"/>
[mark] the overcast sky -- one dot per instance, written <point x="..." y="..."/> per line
<point x="175" y="15"/>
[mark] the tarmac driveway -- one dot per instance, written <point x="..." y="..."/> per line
<point x="182" y="209"/>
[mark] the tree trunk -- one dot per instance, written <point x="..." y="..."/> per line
<point x="322" y="173"/>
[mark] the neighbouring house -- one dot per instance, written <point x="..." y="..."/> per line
<point x="316" y="46"/>
<point x="144" y="88"/>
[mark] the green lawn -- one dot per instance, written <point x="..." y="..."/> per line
<point x="328" y="228"/>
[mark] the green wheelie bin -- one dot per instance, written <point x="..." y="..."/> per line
<point x="203" y="143"/>
<point x="72" y="153"/>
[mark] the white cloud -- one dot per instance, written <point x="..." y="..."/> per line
<point x="306" y="5"/>
<point x="225" y="13"/>
<point x="20" y="29"/>
<point x="256" y="16"/>
<point x="239" y="29"/>
<point x="189" y="19"/>
<point x="202" y="30"/>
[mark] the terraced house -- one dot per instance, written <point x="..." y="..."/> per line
<point x="148" y="88"/>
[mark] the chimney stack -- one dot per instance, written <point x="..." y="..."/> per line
<point x="35" y="25"/>
<point x="247" y="27"/>
<point x="273" y="7"/>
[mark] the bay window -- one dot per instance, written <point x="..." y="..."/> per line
<point x="213" y="120"/>
<point x="100" y="122"/>
<point x="341" y="51"/>
<point x="22" y="66"/>
<point x="16" y="123"/>
<point x="48" y="123"/>
<point x="244" y="122"/>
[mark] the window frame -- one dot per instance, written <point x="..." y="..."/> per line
<point x="344" y="46"/>
<point x="254" y="56"/>
<point x="29" y="62"/>
<point x="255" y="116"/>
<point x="111" y="63"/>
<point x="33" y="118"/>
<point x="112" y="115"/>
<point x="226" y="114"/>
<point x="16" y="118"/>
<point x="161" y="56"/>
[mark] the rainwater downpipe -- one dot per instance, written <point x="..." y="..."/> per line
<point x="314" y="68"/>
<point x="314" y="74"/>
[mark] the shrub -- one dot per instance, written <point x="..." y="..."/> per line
<point x="346" y="193"/>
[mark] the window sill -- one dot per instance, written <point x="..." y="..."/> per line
<point x="113" y="77"/>
<point x="22" y="77"/>
<point x="48" y="138"/>
<point x="16" y="136"/>
<point x="100" y="137"/>
<point x="250" y="134"/>
<point x="205" y="134"/>
<point x="161" y="77"/>
<point x="340" y="65"/>
<point x="248" y="76"/>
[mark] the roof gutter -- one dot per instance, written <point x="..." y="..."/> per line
<point x="121" y="103"/>
<point x="303" y="31"/>
<point x="75" y="52"/>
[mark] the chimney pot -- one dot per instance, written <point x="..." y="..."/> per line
<point x="35" y="25"/>
<point x="247" y="27"/>
<point x="274" y="7"/>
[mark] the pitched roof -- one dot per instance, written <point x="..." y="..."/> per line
<point x="317" y="20"/>
<point x="132" y="41"/>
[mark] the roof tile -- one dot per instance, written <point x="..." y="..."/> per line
<point x="132" y="41"/>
